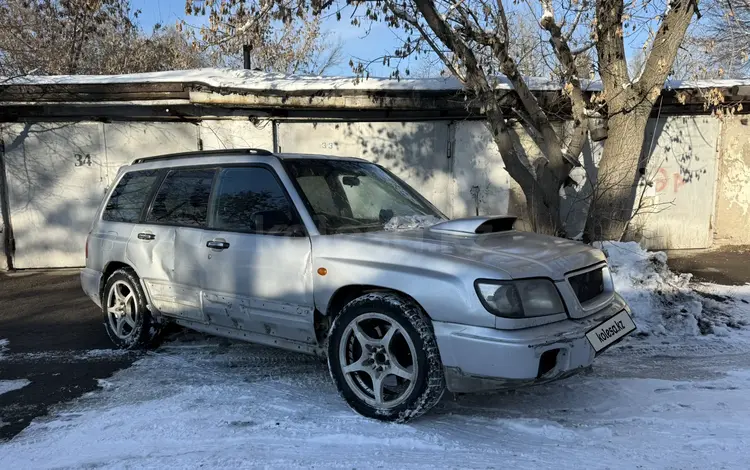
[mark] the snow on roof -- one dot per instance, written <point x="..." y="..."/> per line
<point x="251" y="80"/>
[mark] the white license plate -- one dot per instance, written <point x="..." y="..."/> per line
<point x="607" y="333"/>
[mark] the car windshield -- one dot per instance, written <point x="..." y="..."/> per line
<point x="348" y="196"/>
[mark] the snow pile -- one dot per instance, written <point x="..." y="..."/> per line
<point x="665" y="303"/>
<point x="411" y="222"/>
<point x="10" y="385"/>
<point x="3" y="346"/>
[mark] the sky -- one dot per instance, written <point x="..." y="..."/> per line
<point x="356" y="43"/>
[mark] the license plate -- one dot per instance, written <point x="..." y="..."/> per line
<point x="608" y="333"/>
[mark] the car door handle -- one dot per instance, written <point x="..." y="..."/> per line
<point x="217" y="244"/>
<point x="146" y="236"/>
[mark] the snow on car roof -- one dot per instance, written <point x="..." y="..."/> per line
<point x="251" y="80"/>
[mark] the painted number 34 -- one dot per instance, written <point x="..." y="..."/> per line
<point x="81" y="160"/>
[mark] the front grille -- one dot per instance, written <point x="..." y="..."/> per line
<point x="588" y="285"/>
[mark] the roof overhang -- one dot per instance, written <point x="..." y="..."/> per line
<point x="194" y="94"/>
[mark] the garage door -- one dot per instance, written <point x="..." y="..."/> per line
<point x="415" y="151"/>
<point x="127" y="141"/>
<point x="56" y="179"/>
<point x="481" y="184"/>
<point x="682" y="174"/>
<point x="58" y="173"/>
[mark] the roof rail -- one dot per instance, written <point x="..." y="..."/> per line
<point x="202" y="153"/>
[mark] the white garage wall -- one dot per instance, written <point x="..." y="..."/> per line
<point x="415" y="151"/>
<point x="236" y="134"/>
<point x="58" y="173"/>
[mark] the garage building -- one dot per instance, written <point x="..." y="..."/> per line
<point x="64" y="138"/>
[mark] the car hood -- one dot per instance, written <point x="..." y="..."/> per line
<point x="518" y="254"/>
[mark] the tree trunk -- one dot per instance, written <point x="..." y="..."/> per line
<point x="619" y="171"/>
<point x="541" y="189"/>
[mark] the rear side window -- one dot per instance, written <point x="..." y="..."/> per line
<point x="252" y="200"/>
<point x="126" y="202"/>
<point x="182" y="198"/>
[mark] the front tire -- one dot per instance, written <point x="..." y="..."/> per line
<point x="126" y="316"/>
<point x="384" y="359"/>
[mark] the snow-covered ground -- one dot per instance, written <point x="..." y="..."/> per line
<point x="675" y="396"/>
<point x="211" y="404"/>
<point x="3" y="346"/>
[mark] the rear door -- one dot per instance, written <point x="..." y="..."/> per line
<point x="120" y="217"/>
<point x="161" y="247"/>
<point x="257" y="259"/>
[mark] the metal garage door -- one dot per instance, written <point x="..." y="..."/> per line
<point x="56" y="180"/>
<point x="126" y="141"/>
<point x="682" y="173"/>
<point x="58" y="173"/>
<point x="415" y="151"/>
<point x="236" y="134"/>
<point x="481" y="183"/>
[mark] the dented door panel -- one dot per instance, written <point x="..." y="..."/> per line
<point x="260" y="284"/>
<point x="151" y="249"/>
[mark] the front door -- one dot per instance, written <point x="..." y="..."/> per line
<point x="257" y="259"/>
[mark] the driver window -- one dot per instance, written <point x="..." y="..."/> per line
<point x="251" y="200"/>
<point x="318" y="193"/>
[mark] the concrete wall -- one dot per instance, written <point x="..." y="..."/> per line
<point x="58" y="172"/>
<point x="733" y="192"/>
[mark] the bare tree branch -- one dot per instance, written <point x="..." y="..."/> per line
<point x="403" y="15"/>
<point x="573" y="86"/>
<point x="576" y="21"/>
<point x="665" y="46"/>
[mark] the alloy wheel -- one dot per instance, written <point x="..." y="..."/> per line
<point x="378" y="360"/>
<point x="122" y="310"/>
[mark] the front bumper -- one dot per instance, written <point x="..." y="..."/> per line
<point x="480" y="359"/>
<point x="90" y="283"/>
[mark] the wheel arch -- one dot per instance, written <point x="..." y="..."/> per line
<point x="110" y="269"/>
<point x="345" y="294"/>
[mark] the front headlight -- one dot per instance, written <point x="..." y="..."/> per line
<point x="519" y="299"/>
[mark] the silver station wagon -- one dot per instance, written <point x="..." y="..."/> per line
<point x="340" y="258"/>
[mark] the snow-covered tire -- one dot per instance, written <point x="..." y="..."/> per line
<point x="127" y="311"/>
<point x="359" y="342"/>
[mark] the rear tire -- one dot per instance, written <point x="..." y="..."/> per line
<point x="126" y="317"/>
<point x="384" y="359"/>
